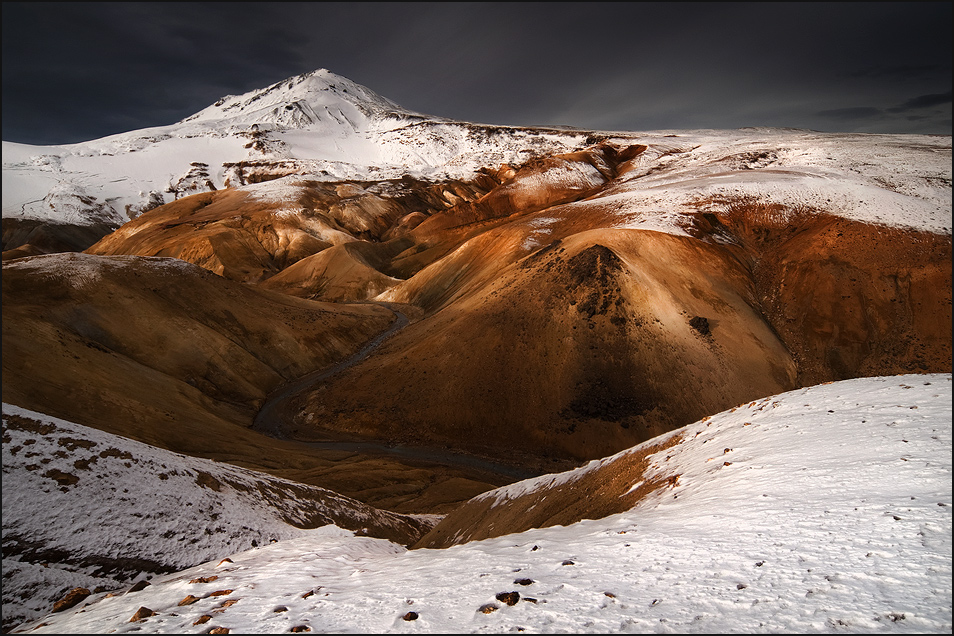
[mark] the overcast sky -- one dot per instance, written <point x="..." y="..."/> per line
<point x="79" y="71"/>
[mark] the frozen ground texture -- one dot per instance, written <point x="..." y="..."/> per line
<point x="825" y="509"/>
<point x="323" y="126"/>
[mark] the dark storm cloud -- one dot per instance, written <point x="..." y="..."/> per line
<point x="860" y="112"/>
<point x="77" y="71"/>
<point x="902" y="72"/>
<point x="923" y="101"/>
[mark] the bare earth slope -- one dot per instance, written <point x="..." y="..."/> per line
<point x="169" y="354"/>
<point x="143" y="331"/>
<point x="602" y="338"/>
<point x="576" y="352"/>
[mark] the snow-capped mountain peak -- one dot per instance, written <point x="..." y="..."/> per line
<point x="304" y="101"/>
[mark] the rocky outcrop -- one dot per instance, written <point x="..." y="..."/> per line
<point x="73" y="598"/>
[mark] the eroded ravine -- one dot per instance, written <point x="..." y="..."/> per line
<point x="274" y="413"/>
<point x="270" y="417"/>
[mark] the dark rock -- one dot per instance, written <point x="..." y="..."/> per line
<point x="510" y="598"/>
<point x="700" y="324"/>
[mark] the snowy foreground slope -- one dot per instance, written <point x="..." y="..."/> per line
<point x="825" y="509"/>
<point x="82" y="507"/>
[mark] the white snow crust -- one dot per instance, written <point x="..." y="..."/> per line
<point x="825" y="509"/>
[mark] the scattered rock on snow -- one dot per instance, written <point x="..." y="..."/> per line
<point x="73" y="598"/>
<point x="141" y="613"/>
<point x="204" y="579"/>
<point x="510" y="598"/>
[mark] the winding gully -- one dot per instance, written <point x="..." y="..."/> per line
<point x="269" y="419"/>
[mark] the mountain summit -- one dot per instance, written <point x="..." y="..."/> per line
<point x="319" y="123"/>
<point x="318" y="98"/>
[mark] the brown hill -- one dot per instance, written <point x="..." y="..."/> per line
<point x="605" y="338"/>
<point x="251" y="235"/>
<point x="169" y="354"/>
<point x="577" y="351"/>
<point x="29" y="237"/>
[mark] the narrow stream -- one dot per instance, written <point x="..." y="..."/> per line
<point x="268" y="421"/>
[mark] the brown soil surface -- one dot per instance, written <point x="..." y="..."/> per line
<point x="182" y="359"/>
<point x="576" y="352"/>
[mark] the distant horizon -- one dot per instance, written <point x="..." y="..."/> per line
<point x="74" y="73"/>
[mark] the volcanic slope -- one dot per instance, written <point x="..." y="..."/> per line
<point x="169" y="354"/>
<point x="583" y="302"/>
<point x="58" y="198"/>
<point x="556" y="332"/>
<point x="580" y="349"/>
